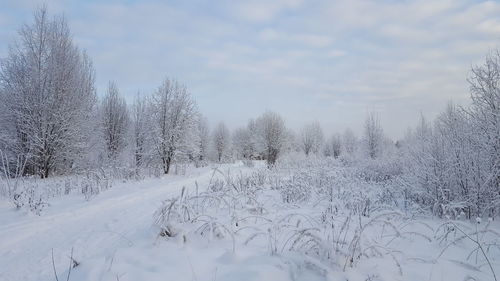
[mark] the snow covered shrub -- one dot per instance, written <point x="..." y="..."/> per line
<point x="208" y="214"/>
<point x="378" y="170"/>
<point x="327" y="179"/>
<point x="452" y="164"/>
<point x="30" y="195"/>
<point x="482" y="240"/>
<point x="326" y="213"/>
<point x="217" y="213"/>
<point x="172" y="211"/>
<point x="94" y="182"/>
<point x="354" y="217"/>
<point x="289" y="232"/>
<point x="295" y="189"/>
<point x="367" y="239"/>
<point x="243" y="187"/>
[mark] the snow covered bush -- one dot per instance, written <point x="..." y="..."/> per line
<point x="93" y="182"/>
<point x="482" y="241"/>
<point x="295" y="189"/>
<point x="30" y="196"/>
<point x="323" y="212"/>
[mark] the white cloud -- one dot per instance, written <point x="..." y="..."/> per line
<point x="335" y="53"/>
<point x="328" y="60"/>
<point x="262" y="10"/>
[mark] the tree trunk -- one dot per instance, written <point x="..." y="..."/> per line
<point x="166" y="165"/>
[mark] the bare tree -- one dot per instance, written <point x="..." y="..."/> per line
<point x="173" y="114"/>
<point x="311" y="138"/>
<point x="374" y="137"/>
<point x="47" y="87"/>
<point x="272" y="135"/>
<point x="115" y="122"/>
<point x="221" y="142"/>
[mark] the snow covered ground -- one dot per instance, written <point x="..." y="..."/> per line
<point x="116" y="219"/>
<point x="113" y="237"/>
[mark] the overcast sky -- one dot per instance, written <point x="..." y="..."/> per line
<point x="331" y="61"/>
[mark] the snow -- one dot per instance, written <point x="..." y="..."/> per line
<point x="113" y="237"/>
<point x="94" y="229"/>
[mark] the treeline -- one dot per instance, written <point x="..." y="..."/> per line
<point x="52" y="123"/>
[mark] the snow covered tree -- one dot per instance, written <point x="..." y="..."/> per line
<point x="349" y="142"/>
<point x="485" y="118"/>
<point x="48" y="96"/>
<point x="333" y="146"/>
<point x="221" y="142"/>
<point x="373" y="138"/>
<point x="203" y="138"/>
<point x="272" y="136"/>
<point x="450" y="166"/>
<point x="245" y="141"/>
<point x="241" y="141"/>
<point x="253" y="131"/>
<point x="140" y="130"/>
<point x="311" y="138"/>
<point x="173" y="119"/>
<point x="115" y="122"/>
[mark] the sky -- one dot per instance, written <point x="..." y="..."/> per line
<point x="319" y="60"/>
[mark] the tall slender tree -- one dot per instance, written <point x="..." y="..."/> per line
<point x="221" y="142"/>
<point x="374" y="136"/>
<point x="115" y="122"/>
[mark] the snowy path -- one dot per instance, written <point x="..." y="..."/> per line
<point x="96" y="228"/>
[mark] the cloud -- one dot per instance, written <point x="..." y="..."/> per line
<point x="325" y="60"/>
<point x="304" y="39"/>
<point x="262" y="10"/>
<point x="335" y="53"/>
